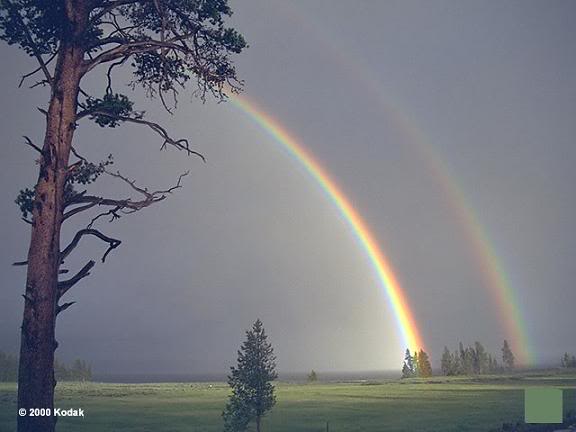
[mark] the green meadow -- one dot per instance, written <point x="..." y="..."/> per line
<point x="435" y="404"/>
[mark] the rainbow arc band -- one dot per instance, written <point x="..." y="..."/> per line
<point x="386" y="276"/>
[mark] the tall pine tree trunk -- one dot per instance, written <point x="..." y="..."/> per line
<point x="36" y="380"/>
<point x="258" y="418"/>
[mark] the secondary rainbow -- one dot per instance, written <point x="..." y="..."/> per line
<point x="388" y="280"/>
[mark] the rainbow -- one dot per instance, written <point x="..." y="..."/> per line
<point x="490" y="265"/>
<point x="388" y="280"/>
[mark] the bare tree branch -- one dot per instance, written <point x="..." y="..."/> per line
<point x="109" y="73"/>
<point x="38" y="69"/>
<point x="64" y="286"/>
<point x="77" y="210"/>
<point x="180" y="144"/>
<point x="31" y="144"/>
<point x="63" y="307"/>
<point x="117" y="206"/>
<point x="112" y="243"/>
<point x="113" y="212"/>
<point x="149" y="195"/>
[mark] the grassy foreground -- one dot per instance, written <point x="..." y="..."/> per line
<point x="437" y="404"/>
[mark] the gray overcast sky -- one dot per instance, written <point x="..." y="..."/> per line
<point x="490" y="87"/>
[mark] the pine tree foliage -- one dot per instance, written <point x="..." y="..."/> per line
<point x="408" y="370"/>
<point x="568" y="361"/>
<point x="424" y="366"/>
<point x="312" y="376"/>
<point x="167" y="41"/>
<point x="251" y="382"/>
<point x="417" y="365"/>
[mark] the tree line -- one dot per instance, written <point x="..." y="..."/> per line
<point x="475" y="360"/>
<point x="568" y="361"/>
<point x="79" y="370"/>
<point x="471" y="360"/>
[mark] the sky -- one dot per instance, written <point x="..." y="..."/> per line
<point x="396" y="100"/>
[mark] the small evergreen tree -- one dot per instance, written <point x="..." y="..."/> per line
<point x="424" y="366"/>
<point x="507" y="356"/>
<point x="408" y="366"/>
<point x="312" y="376"/>
<point x="568" y="361"/>
<point x="251" y="382"/>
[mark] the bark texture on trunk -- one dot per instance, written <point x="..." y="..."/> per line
<point x="36" y="369"/>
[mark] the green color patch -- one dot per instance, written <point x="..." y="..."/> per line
<point x="543" y="405"/>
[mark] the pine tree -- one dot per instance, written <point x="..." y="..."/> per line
<point x="424" y="366"/>
<point x="408" y="366"/>
<point x="78" y="46"/>
<point x="507" y="356"/>
<point x="312" y="376"/>
<point x="568" y="361"/>
<point x="251" y="382"/>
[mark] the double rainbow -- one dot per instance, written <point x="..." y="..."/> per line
<point x="496" y="279"/>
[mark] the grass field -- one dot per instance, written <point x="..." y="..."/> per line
<point x="437" y="404"/>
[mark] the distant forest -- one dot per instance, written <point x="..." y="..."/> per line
<point x="79" y="370"/>
<point x="475" y="360"/>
